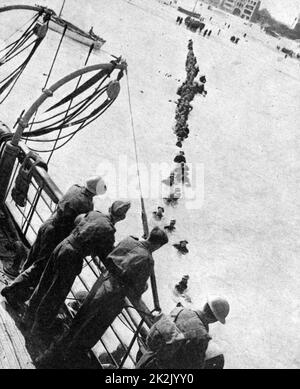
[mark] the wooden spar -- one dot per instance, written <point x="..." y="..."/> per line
<point x="23" y="123"/>
<point x="26" y="8"/>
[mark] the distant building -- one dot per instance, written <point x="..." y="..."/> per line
<point x="215" y="3"/>
<point x="246" y="9"/>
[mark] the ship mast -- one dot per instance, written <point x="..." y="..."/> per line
<point x="62" y="8"/>
<point x="195" y="6"/>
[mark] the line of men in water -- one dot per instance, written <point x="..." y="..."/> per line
<point x="187" y="91"/>
<point x="181" y="339"/>
<point x="180" y="175"/>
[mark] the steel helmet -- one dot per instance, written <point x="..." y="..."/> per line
<point x="81" y="296"/>
<point x="220" y="308"/>
<point x="96" y="185"/>
<point x="120" y="208"/>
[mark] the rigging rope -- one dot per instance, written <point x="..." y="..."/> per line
<point x="66" y="122"/>
<point x="25" y="33"/>
<point x="19" y="29"/>
<point x="83" y="125"/>
<point x="49" y="129"/>
<point x="144" y="214"/>
<point x="16" y="48"/>
<point x="50" y="71"/>
<point x="16" y="75"/>
<point x="70" y="105"/>
<point x="56" y="54"/>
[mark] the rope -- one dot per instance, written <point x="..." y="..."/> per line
<point x="20" y="28"/>
<point x="20" y="52"/>
<point x="144" y="214"/>
<point x="15" y="77"/>
<point x="70" y="105"/>
<point x="15" y="50"/>
<point x="65" y="122"/>
<point x="50" y="71"/>
<point x="18" y="44"/>
<point x="56" y="54"/>
<point x="25" y="34"/>
<point x="83" y="122"/>
<point x="136" y="152"/>
<point x="83" y="104"/>
<point x="83" y="125"/>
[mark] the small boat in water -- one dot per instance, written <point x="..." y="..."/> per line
<point x="58" y="24"/>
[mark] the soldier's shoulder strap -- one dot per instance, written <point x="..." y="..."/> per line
<point x="134" y="237"/>
<point x="176" y="312"/>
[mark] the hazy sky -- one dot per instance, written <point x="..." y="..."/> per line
<point x="283" y="10"/>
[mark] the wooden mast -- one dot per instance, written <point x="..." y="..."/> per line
<point x="195" y="6"/>
<point x="62" y="8"/>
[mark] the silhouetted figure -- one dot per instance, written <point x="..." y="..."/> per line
<point x="173" y="198"/>
<point x="181" y="247"/>
<point x="182" y="286"/>
<point x="171" y="227"/>
<point x="158" y="215"/>
<point x="169" y="181"/>
<point x="179" y="142"/>
<point x="180" y="158"/>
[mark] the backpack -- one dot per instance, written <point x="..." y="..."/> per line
<point x="22" y="183"/>
<point x="165" y="338"/>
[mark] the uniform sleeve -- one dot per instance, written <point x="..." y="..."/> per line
<point x="137" y="274"/>
<point x="106" y="247"/>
